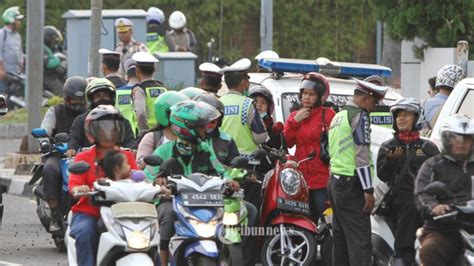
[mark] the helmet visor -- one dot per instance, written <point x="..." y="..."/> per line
<point x="309" y="84"/>
<point x="107" y="131"/>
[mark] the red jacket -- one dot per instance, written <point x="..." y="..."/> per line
<point x="89" y="177"/>
<point x="305" y="135"/>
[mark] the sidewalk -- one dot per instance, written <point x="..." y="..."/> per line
<point x="15" y="184"/>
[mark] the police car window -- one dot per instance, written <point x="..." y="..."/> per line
<point x="290" y="101"/>
<point x="466" y="105"/>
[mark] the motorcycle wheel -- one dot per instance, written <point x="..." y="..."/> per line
<point x="301" y="248"/>
<point x="59" y="243"/>
<point x="231" y="255"/>
<point x="42" y="209"/>
<point x="201" y="260"/>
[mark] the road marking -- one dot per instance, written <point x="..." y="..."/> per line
<point x="32" y="201"/>
<point x="6" y="263"/>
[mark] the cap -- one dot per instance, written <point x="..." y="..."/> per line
<point x="267" y="54"/>
<point x="107" y="52"/>
<point x="240" y="67"/>
<point x="144" y="58"/>
<point x="210" y="69"/>
<point x="375" y="79"/>
<point x="123" y="24"/>
<point x="129" y="64"/>
<point x="372" y="89"/>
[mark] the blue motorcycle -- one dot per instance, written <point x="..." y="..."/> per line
<point x="52" y="146"/>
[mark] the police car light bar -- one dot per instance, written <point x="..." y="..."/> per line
<point x="323" y="66"/>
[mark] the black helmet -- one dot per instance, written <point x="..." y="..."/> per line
<point x="75" y="87"/>
<point x="213" y="101"/>
<point x="264" y="92"/>
<point x="52" y="36"/>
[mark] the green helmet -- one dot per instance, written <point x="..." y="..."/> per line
<point x="186" y="116"/>
<point x="163" y="104"/>
<point x="11" y="14"/>
<point x="99" y="84"/>
<point x="191" y="92"/>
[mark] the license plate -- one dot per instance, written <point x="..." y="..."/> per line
<point x="202" y="199"/>
<point x="293" y="205"/>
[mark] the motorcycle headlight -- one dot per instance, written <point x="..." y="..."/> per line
<point x="138" y="240"/>
<point x="230" y="218"/>
<point x="204" y="230"/>
<point x="290" y="181"/>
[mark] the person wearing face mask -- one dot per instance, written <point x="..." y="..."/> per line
<point x="99" y="91"/>
<point x="59" y="119"/>
<point x="303" y="129"/>
<point x="398" y="162"/>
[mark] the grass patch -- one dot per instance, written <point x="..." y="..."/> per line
<point x="20" y="115"/>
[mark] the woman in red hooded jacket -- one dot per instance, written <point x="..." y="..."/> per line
<point x="303" y="129"/>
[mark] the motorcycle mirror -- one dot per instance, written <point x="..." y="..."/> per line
<point x="239" y="162"/>
<point x="167" y="166"/>
<point x="3" y="105"/>
<point x="277" y="128"/>
<point x="39" y="133"/>
<point x="259" y="154"/>
<point x="61" y="138"/>
<point x="79" y="168"/>
<point x="153" y="160"/>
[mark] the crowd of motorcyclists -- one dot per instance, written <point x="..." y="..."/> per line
<point x="116" y="121"/>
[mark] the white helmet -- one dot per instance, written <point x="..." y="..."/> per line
<point x="177" y="20"/>
<point x="449" y="75"/>
<point x="155" y="14"/>
<point x="267" y="54"/>
<point x="410" y="105"/>
<point x="457" y="124"/>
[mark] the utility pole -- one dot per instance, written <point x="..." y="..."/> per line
<point x="266" y="25"/>
<point x="34" y="66"/>
<point x="96" y="17"/>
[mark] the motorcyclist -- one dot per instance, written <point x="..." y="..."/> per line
<point x="54" y="69"/>
<point x="58" y="119"/>
<point x="398" y="162"/>
<point x="99" y="91"/>
<point x="441" y="243"/>
<point x="162" y="132"/>
<point x="104" y="127"/>
<point x="192" y="92"/>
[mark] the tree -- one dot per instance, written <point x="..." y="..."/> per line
<point x="439" y="23"/>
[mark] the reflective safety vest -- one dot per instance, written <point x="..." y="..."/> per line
<point x="235" y="122"/>
<point x="152" y="89"/>
<point x="123" y="102"/>
<point x="156" y="43"/>
<point x="341" y="144"/>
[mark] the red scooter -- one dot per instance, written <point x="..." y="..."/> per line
<point x="290" y="234"/>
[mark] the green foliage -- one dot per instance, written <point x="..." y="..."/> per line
<point x="18" y="116"/>
<point x="439" y="23"/>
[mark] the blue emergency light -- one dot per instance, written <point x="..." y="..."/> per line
<point x="323" y="66"/>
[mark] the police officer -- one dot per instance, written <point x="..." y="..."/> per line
<point x="11" y="52"/>
<point x="54" y="73"/>
<point x="267" y="54"/>
<point x="127" y="45"/>
<point x="58" y="119"/>
<point x="211" y="80"/>
<point x="241" y="119"/>
<point x="156" y="30"/>
<point x="110" y="67"/>
<point x="145" y="92"/>
<point x="123" y="102"/>
<point x="350" y="185"/>
<point x="180" y="38"/>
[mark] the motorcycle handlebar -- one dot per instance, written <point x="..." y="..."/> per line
<point x="447" y="215"/>
<point x="85" y="194"/>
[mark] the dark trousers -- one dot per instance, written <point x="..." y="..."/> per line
<point x="84" y="230"/>
<point x="407" y="220"/>
<point x="52" y="178"/>
<point x="441" y="248"/>
<point x="351" y="226"/>
<point x="318" y="198"/>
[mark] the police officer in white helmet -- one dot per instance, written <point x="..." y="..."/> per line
<point x="180" y="38"/>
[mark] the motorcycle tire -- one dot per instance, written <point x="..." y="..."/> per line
<point x="231" y="255"/>
<point x="295" y="237"/>
<point x="43" y="212"/>
<point x="201" y="260"/>
<point x="60" y="244"/>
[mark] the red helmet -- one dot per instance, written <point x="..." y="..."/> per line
<point x="318" y="83"/>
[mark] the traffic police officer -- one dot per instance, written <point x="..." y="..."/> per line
<point x="110" y="67"/>
<point x="145" y="93"/>
<point x="241" y="119"/>
<point x="127" y="45"/>
<point x="123" y="102"/>
<point x="211" y="77"/>
<point x="156" y="30"/>
<point x="350" y="185"/>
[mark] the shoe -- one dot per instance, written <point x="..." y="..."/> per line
<point x="55" y="224"/>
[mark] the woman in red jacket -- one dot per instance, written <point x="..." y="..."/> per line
<point x="104" y="127"/>
<point x="303" y="129"/>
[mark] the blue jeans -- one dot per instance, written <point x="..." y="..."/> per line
<point x="84" y="230"/>
<point x="317" y="198"/>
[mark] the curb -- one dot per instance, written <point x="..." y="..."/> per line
<point x="16" y="186"/>
<point x="13" y="131"/>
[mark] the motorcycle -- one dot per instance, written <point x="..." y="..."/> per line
<point x="129" y="221"/>
<point x="15" y="91"/>
<point x="460" y="216"/>
<point x="285" y="208"/>
<point x="208" y="215"/>
<point x="56" y="146"/>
